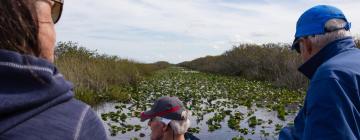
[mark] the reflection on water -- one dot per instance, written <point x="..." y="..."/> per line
<point x="224" y="133"/>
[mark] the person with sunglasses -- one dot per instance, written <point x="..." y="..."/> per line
<point x="36" y="102"/>
<point x="168" y="120"/>
<point x="331" y="109"/>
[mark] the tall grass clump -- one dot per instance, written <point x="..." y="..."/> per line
<point x="267" y="62"/>
<point x="357" y="42"/>
<point x="98" y="78"/>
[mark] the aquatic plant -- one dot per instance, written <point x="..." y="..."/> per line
<point x="215" y="100"/>
<point x="100" y="78"/>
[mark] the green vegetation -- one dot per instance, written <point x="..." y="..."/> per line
<point x="134" y="85"/>
<point x="234" y="121"/>
<point x="194" y="130"/>
<point x="278" y="127"/>
<point x="269" y="62"/>
<point x="238" y="138"/>
<point x="253" y="121"/>
<point x="214" y="122"/>
<point x="229" y="100"/>
<point x="100" y="78"/>
<point x="281" y="111"/>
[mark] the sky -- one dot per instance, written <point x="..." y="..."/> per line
<point x="182" y="30"/>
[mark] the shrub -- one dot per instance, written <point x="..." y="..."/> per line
<point x="268" y="62"/>
<point x="99" y="78"/>
<point x="271" y="62"/>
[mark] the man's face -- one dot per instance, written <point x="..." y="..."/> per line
<point x="306" y="50"/>
<point x="157" y="129"/>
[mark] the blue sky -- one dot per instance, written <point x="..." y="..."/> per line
<point x="182" y="30"/>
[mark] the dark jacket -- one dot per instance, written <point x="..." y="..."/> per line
<point x="36" y="103"/>
<point x="189" y="136"/>
<point x="332" y="105"/>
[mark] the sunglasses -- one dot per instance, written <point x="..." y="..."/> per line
<point x="56" y="10"/>
<point x="297" y="45"/>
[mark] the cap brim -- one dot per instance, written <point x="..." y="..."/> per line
<point x="146" y="115"/>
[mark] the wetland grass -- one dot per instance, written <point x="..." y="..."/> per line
<point x="275" y="63"/>
<point x="100" y="78"/>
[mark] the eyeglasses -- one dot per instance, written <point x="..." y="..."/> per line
<point x="56" y="10"/>
<point x="297" y="45"/>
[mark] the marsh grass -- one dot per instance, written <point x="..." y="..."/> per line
<point x="101" y="78"/>
<point x="268" y="62"/>
<point x="275" y="63"/>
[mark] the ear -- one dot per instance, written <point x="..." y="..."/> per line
<point x="308" y="46"/>
<point x="165" y="127"/>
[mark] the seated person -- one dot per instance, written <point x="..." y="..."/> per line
<point x="169" y="120"/>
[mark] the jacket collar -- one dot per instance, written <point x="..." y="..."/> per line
<point x="332" y="49"/>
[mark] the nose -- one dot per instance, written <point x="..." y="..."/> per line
<point x="149" y="123"/>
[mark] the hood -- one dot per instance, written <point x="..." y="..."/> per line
<point x="28" y="86"/>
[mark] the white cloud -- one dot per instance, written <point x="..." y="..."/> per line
<point x="142" y="29"/>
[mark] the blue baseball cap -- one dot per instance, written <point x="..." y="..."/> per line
<point x="312" y="22"/>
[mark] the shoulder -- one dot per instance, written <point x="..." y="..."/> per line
<point x="88" y="125"/>
<point x="71" y="114"/>
<point x="72" y="109"/>
<point x="68" y="120"/>
<point x="344" y="67"/>
<point x="82" y="122"/>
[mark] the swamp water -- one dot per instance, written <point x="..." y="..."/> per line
<point x="224" y="133"/>
<point x="224" y="108"/>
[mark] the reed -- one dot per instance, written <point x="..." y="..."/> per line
<point x="99" y="78"/>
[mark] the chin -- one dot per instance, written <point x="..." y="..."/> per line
<point x="155" y="137"/>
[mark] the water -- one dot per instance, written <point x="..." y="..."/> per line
<point x="224" y="133"/>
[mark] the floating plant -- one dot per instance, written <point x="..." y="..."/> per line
<point x="213" y="99"/>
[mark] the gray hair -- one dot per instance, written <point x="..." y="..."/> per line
<point x="324" y="39"/>
<point x="181" y="126"/>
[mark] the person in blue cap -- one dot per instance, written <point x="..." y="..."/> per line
<point x="331" y="109"/>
